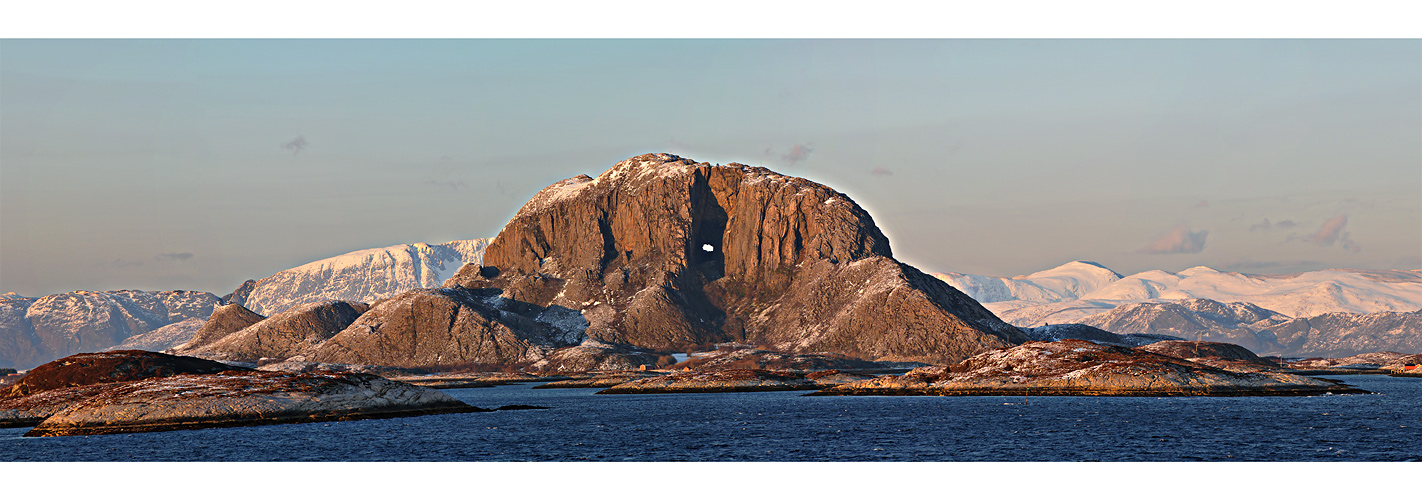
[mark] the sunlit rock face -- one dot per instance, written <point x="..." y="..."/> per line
<point x="662" y="252"/>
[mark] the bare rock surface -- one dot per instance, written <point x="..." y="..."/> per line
<point x="1083" y="368"/>
<point x="1053" y="333"/>
<point x="53" y="386"/>
<point x="604" y="379"/>
<point x="225" y="320"/>
<point x="781" y="361"/>
<point x="592" y="355"/>
<point x="1221" y="355"/>
<point x="726" y="380"/>
<point x="240" y="399"/>
<point x="282" y="335"/>
<point x="447" y="327"/>
<point x="661" y="252"/>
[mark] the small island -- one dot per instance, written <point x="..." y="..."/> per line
<point x="1084" y="368"/>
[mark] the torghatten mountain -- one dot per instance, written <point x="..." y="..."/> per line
<point x="662" y="253"/>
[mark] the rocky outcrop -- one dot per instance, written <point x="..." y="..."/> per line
<point x="660" y="252"/>
<point x="35" y="331"/>
<point x="1053" y="333"/>
<point x="1220" y="355"/>
<point x="54" y="386"/>
<point x="360" y="276"/>
<point x="232" y="399"/>
<point x="1083" y="368"/>
<point x="104" y="367"/>
<point x="282" y="335"/>
<point x="239" y="296"/>
<point x="761" y="359"/>
<point x="727" y="380"/>
<point x="449" y="327"/>
<point x="592" y="355"/>
<point x="225" y="320"/>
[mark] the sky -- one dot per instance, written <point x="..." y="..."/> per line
<point x="196" y="164"/>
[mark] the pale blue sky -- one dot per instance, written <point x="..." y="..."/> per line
<point x="159" y="164"/>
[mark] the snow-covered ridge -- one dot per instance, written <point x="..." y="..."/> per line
<point x="364" y="275"/>
<point x="1079" y="289"/>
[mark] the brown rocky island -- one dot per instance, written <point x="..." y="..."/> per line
<point x="1084" y="368"/>
<point x="139" y="391"/>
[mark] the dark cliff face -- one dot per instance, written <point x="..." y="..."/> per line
<point x="661" y="252"/>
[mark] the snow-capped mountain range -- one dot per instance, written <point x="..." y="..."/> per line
<point x="1337" y="312"/>
<point x="362" y="275"/>
<point x="1075" y="290"/>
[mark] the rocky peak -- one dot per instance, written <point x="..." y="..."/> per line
<point x="661" y="252"/>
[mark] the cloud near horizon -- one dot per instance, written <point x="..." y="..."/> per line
<point x="1332" y="232"/>
<point x="174" y="256"/>
<point x="1180" y="239"/>
<point x="881" y="172"/>
<point x="797" y="154"/>
<point x="296" y="145"/>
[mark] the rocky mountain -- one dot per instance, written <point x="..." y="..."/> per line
<point x="656" y="253"/>
<point x="1079" y="289"/>
<point x="279" y="336"/>
<point x="359" y="276"/>
<point x="37" y="330"/>
<point x="1340" y="335"/>
<point x="661" y="252"/>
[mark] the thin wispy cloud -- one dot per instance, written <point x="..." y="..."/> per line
<point x="296" y="145"/>
<point x="1203" y="204"/>
<point x="1179" y="239"/>
<point x="881" y="172"/>
<point x="1267" y="226"/>
<point x="1333" y="231"/>
<point x="449" y="184"/>
<point x="798" y="153"/>
<point x="179" y="256"/>
<point x="120" y="263"/>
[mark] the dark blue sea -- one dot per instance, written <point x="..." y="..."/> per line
<point x="783" y="426"/>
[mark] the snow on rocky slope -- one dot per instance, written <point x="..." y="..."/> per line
<point x="1073" y="291"/>
<point x="35" y="331"/>
<point x="363" y="275"/>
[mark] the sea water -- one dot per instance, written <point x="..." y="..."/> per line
<point x="785" y="426"/>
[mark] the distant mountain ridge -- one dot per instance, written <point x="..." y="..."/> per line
<point x="1337" y="312"/>
<point x="360" y="276"/>
<point x="1078" y="289"/>
<point x="34" y="331"/>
